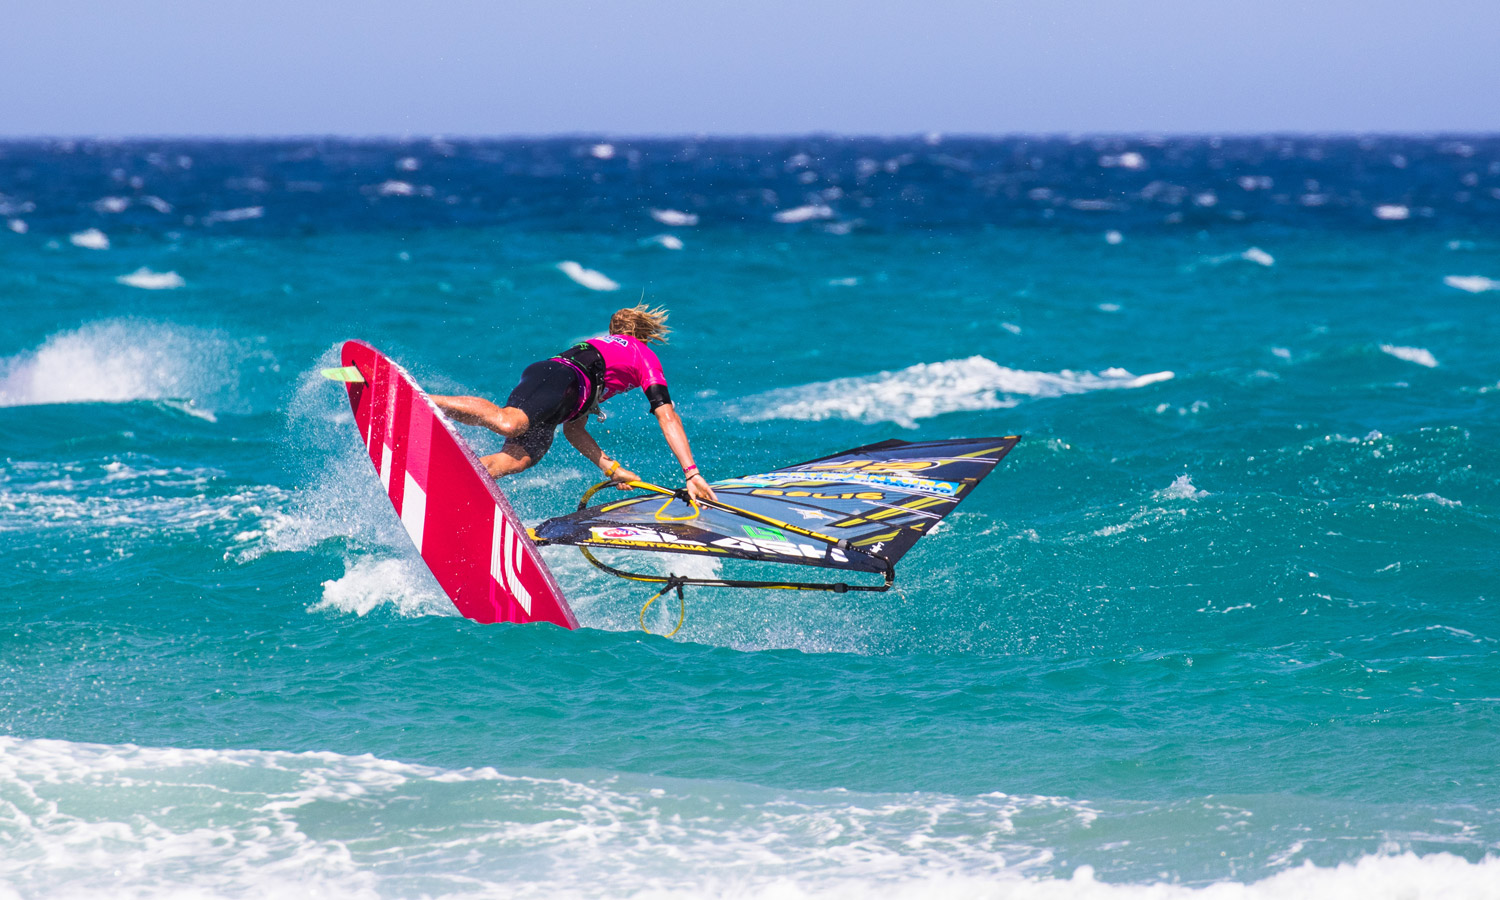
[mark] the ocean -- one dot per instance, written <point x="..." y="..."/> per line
<point x="1223" y="625"/>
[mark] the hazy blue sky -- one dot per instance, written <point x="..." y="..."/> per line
<point x="222" y="67"/>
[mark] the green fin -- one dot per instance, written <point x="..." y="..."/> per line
<point x="346" y="373"/>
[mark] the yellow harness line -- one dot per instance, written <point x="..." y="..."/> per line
<point x="688" y="518"/>
<point x="713" y="504"/>
<point x="681" y="608"/>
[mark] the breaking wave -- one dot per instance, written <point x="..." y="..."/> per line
<point x="926" y="390"/>
<point x="234" y="823"/>
<point x="1419" y="355"/>
<point x="118" y="361"/>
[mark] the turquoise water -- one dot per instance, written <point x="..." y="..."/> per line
<point x="1224" y="619"/>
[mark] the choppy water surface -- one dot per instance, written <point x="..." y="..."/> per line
<point x="1224" y="623"/>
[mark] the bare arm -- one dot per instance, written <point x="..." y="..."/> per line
<point x="671" y="429"/>
<point x="577" y="433"/>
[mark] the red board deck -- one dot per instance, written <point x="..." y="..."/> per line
<point x="454" y="512"/>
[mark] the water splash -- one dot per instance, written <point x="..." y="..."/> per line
<point x="926" y="390"/>
<point x="122" y="360"/>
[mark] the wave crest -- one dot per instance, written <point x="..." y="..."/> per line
<point x="119" y="361"/>
<point x="233" y="823"/>
<point x="926" y="390"/>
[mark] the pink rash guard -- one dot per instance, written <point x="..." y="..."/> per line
<point x="628" y="363"/>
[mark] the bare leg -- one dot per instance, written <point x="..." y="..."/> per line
<point x="508" y="461"/>
<point x="506" y="421"/>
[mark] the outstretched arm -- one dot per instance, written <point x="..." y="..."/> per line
<point x="577" y="433"/>
<point x="671" y="429"/>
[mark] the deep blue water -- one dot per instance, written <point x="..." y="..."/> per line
<point x="1226" y="617"/>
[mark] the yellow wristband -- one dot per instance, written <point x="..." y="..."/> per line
<point x="613" y="465"/>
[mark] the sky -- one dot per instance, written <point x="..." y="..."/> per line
<point x="684" y="67"/>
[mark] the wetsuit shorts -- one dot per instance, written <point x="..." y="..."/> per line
<point x="549" y="395"/>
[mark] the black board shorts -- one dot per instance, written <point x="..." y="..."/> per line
<point x="548" y="394"/>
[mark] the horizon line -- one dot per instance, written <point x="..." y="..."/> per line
<point x="933" y="137"/>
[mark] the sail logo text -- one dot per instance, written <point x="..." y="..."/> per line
<point x="899" y="482"/>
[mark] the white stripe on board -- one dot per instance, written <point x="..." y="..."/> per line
<point x="414" y="510"/>
<point x="513" y="569"/>
<point x="497" y="546"/>
<point x="385" y="468"/>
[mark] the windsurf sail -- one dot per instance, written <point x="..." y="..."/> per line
<point x="860" y="510"/>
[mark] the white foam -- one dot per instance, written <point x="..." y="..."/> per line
<point x="1197" y="406"/>
<point x="1127" y="160"/>
<point x="1181" y="489"/>
<point x="89" y="239"/>
<point x="803" y="214"/>
<point x="602" y="151"/>
<point x="123" y="360"/>
<point x="19" y="226"/>
<point x="1438" y="499"/>
<point x="109" y="205"/>
<point x="11" y="208"/>
<point x="148" y="280"/>
<point x="394" y="188"/>
<point x="1206" y="199"/>
<point x="1132" y="160"/>
<point x="408" y="164"/>
<point x="367" y="583"/>
<point x="91" y="820"/>
<point x="851" y="281"/>
<point x="125" y="500"/>
<point x="1255" y="182"/>
<point x="668" y="241"/>
<point x="242" y="214"/>
<point x="674" y="218"/>
<point x="1252" y="255"/>
<point x="157" y="204"/>
<point x="1392" y="212"/>
<point x="1258" y="256"/>
<point x="210" y="834"/>
<point x="932" y="389"/>
<point x="594" y="281"/>
<point x="1419" y="355"/>
<point x="1474" y="284"/>
<point x="1113" y="237"/>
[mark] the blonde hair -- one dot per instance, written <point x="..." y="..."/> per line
<point x="641" y="322"/>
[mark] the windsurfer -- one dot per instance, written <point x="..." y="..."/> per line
<point x="564" y="389"/>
